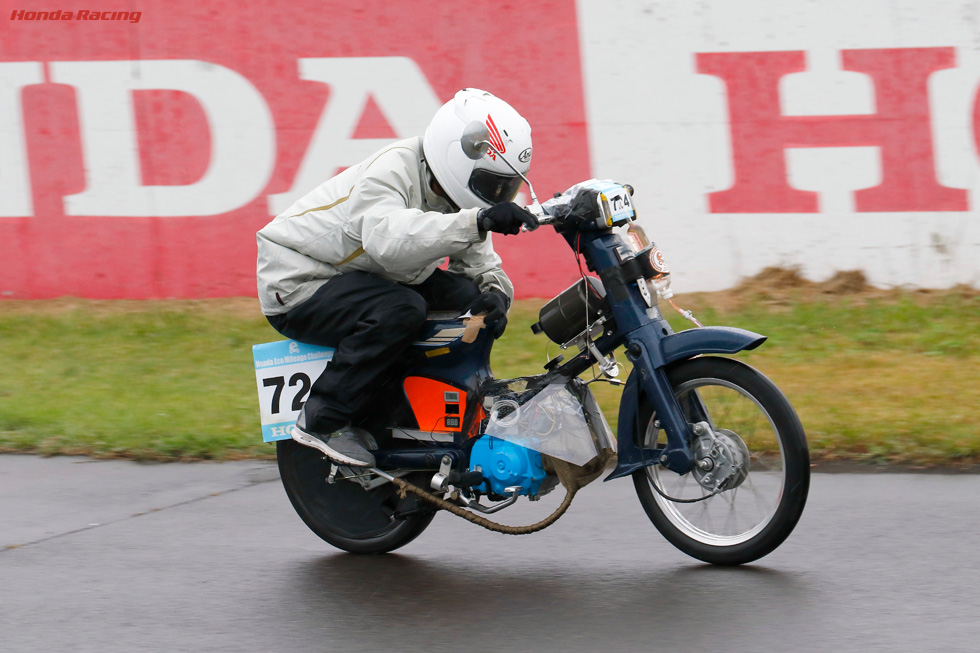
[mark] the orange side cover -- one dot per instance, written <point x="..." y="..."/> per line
<point x="437" y="406"/>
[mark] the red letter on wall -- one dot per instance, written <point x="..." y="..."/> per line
<point x="900" y="128"/>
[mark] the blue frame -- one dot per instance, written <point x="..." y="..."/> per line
<point x="651" y="345"/>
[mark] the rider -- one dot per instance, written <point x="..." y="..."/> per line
<point x="354" y="264"/>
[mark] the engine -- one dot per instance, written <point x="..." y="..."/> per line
<point x="505" y="465"/>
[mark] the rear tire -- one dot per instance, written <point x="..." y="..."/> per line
<point x="343" y="513"/>
<point x="752" y="418"/>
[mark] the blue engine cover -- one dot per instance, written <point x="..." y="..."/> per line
<point x="505" y="465"/>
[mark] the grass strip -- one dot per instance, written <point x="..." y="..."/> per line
<point x="879" y="376"/>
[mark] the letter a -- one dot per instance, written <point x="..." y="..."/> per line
<point x="390" y="80"/>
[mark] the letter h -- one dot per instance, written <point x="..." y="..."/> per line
<point x="900" y="128"/>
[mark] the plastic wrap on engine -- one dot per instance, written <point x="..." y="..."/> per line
<point x="560" y="419"/>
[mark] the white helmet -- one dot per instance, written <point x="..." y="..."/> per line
<point x="486" y="181"/>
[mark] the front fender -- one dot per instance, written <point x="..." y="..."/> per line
<point x="674" y="347"/>
<point x="708" y="340"/>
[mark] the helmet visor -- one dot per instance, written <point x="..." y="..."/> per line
<point x="494" y="187"/>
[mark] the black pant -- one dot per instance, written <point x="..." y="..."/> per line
<point x="370" y="322"/>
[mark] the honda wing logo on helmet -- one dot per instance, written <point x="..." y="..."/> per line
<point x="495" y="139"/>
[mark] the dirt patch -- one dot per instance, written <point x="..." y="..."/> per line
<point x="771" y="279"/>
<point x="848" y="282"/>
<point x="786" y="283"/>
<point x="779" y="288"/>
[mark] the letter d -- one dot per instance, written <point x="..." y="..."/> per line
<point x="242" y="138"/>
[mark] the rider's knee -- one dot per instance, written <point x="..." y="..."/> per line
<point x="408" y="313"/>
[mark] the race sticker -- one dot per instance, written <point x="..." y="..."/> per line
<point x="657" y="260"/>
<point x="284" y="373"/>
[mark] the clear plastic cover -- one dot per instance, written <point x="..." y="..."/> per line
<point x="555" y="421"/>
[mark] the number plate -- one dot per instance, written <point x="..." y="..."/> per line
<point x="614" y="202"/>
<point x="617" y="204"/>
<point x="284" y="373"/>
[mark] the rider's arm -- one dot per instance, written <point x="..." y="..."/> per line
<point x="393" y="231"/>
<point x="480" y="263"/>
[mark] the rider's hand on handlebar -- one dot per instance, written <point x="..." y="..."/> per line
<point x="505" y="218"/>
<point x="494" y="304"/>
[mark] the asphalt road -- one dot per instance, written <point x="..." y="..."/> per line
<point x="115" y="556"/>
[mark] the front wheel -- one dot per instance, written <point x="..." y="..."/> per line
<point x="749" y="491"/>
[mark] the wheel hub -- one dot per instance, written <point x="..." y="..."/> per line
<point x="722" y="458"/>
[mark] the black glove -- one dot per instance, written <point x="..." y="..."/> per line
<point x="494" y="304"/>
<point x="505" y="218"/>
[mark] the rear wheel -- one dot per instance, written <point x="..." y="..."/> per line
<point x="344" y="513"/>
<point x="749" y="492"/>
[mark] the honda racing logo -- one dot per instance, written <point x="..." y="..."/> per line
<point x="495" y="139"/>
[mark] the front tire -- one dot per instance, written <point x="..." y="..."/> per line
<point x="345" y="514"/>
<point x="755" y="428"/>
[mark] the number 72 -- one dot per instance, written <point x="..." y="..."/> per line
<point x="279" y="382"/>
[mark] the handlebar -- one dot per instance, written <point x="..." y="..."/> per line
<point x="612" y="205"/>
<point x="539" y="214"/>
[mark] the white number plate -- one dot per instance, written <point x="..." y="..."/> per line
<point x="284" y="373"/>
<point x="619" y="202"/>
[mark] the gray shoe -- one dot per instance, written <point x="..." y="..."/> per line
<point x="344" y="447"/>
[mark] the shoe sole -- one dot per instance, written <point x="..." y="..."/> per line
<point x="321" y="446"/>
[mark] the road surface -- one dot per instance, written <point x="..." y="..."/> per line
<point x="119" y="556"/>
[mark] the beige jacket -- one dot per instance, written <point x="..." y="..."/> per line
<point x="379" y="216"/>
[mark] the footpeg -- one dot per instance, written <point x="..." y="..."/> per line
<point x="440" y="480"/>
<point x="466" y="479"/>
<point x="447" y="477"/>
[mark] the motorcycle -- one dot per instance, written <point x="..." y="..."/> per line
<point x="716" y="452"/>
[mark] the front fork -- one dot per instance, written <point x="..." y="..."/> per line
<point x="651" y="379"/>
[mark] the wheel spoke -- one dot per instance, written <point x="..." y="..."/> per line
<point x="760" y="498"/>
<point x="743" y="427"/>
<point x="731" y="524"/>
<point x="708" y="523"/>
